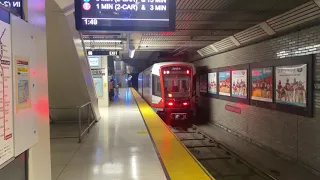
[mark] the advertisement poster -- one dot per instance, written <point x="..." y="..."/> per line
<point x="203" y="83"/>
<point x="292" y="85"/>
<point x="262" y="84"/>
<point x="212" y="83"/>
<point x="224" y="83"/>
<point x="239" y="84"/>
<point x="23" y="99"/>
<point x="98" y="84"/>
<point x="6" y="121"/>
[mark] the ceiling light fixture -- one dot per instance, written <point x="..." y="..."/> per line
<point x="103" y="41"/>
<point x="105" y="48"/>
<point x="132" y="53"/>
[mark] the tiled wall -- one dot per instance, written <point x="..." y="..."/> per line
<point x="293" y="136"/>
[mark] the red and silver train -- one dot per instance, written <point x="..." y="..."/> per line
<point x="169" y="88"/>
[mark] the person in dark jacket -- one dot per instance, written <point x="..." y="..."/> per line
<point x="111" y="89"/>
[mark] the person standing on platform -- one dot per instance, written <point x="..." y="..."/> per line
<point x="111" y="89"/>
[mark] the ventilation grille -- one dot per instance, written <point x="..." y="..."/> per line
<point x="305" y="13"/>
<point x="296" y="16"/>
<point x="206" y="51"/>
<point x="250" y="34"/>
<point x="224" y="44"/>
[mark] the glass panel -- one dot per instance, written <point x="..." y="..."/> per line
<point x="177" y="86"/>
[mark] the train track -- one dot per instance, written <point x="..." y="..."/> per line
<point x="218" y="160"/>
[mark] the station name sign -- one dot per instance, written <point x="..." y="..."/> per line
<point x="125" y="15"/>
<point x="102" y="53"/>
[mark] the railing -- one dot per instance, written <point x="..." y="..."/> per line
<point x="90" y="120"/>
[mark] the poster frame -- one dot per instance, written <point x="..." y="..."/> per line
<point x="257" y="103"/>
<point x="213" y="70"/>
<point x="235" y="68"/>
<point x="27" y="104"/>
<point x="302" y="111"/>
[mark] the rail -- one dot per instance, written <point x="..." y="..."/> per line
<point x="90" y="120"/>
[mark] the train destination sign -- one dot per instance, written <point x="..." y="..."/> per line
<point x="125" y="15"/>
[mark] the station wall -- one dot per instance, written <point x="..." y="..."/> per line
<point x="293" y="136"/>
<point x="69" y="74"/>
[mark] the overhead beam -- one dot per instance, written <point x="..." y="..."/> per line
<point x="209" y="11"/>
<point x="202" y="32"/>
<point x="216" y="22"/>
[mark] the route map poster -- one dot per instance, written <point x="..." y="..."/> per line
<point x="212" y="83"/>
<point x="224" y="83"/>
<point x="98" y="84"/>
<point x="292" y="85"/>
<point x="23" y="99"/>
<point x="204" y="83"/>
<point x="6" y="124"/>
<point x="262" y="84"/>
<point x="239" y="84"/>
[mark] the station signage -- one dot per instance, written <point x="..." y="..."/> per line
<point x="125" y="15"/>
<point x="102" y="53"/>
<point x="15" y="6"/>
<point x="98" y="72"/>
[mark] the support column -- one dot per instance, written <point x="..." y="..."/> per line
<point x="39" y="162"/>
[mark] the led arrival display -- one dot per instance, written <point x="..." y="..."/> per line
<point x="125" y="15"/>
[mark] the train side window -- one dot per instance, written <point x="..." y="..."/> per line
<point x="156" y="87"/>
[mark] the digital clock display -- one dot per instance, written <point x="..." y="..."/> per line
<point x="125" y="15"/>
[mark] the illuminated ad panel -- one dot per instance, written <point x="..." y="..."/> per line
<point x="125" y="15"/>
<point x="292" y="85"/>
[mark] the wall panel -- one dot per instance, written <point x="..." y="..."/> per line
<point x="293" y="136"/>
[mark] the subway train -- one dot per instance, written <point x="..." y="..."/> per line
<point x="169" y="88"/>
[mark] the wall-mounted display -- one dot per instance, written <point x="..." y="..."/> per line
<point x="15" y="6"/>
<point x="212" y="83"/>
<point x="240" y="84"/>
<point x="94" y="61"/>
<point x="291" y="85"/>
<point x="204" y="83"/>
<point x="224" y="83"/>
<point x="262" y="84"/>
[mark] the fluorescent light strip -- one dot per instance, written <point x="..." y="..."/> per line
<point x="132" y="53"/>
<point x="112" y="48"/>
<point x="102" y="41"/>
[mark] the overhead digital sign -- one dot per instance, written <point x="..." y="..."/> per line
<point x="102" y="53"/>
<point x="125" y="15"/>
<point x="15" y="6"/>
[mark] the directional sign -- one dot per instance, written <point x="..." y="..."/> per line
<point x="102" y="53"/>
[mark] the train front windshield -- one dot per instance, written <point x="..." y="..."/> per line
<point x="177" y="85"/>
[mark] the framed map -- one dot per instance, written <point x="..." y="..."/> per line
<point x="98" y="84"/>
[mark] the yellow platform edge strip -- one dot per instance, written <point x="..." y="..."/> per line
<point x="177" y="159"/>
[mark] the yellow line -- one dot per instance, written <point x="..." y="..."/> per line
<point x="178" y="161"/>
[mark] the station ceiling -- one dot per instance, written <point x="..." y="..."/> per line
<point x="199" y="23"/>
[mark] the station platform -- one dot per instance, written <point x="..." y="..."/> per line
<point x="129" y="142"/>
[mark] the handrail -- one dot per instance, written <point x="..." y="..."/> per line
<point x="89" y="120"/>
